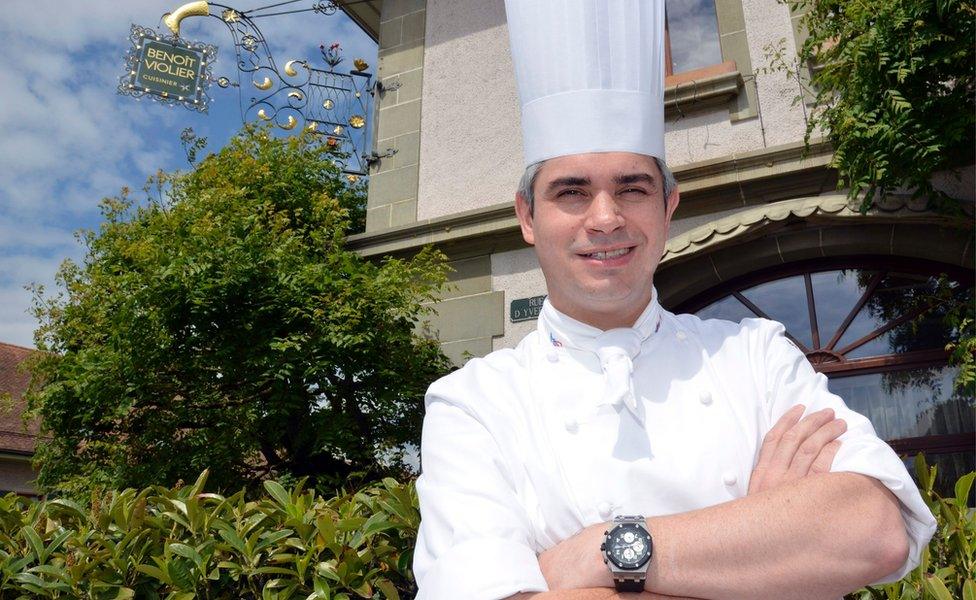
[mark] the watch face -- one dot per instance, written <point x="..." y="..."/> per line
<point x="628" y="546"/>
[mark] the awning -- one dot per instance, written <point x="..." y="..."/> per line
<point x="827" y="207"/>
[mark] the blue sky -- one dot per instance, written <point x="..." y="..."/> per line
<point x="68" y="140"/>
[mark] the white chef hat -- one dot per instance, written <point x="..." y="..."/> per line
<point x="590" y="75"/>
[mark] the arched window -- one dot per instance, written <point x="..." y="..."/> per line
<point x="878" y="329"/>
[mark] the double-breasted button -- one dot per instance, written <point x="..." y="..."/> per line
<point x="606" y="509"/>
<point x="705" y="397"/>
<point x="571" y="424"/>
<point x="729" y="478"/>
<point x="552" y="356"/>
<point x="681" y="335"/>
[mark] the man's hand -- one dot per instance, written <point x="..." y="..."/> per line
<point x="794" y="448"/>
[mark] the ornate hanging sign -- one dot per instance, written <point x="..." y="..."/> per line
<point x="330" y="102"/>
<point x="169" y="69"/>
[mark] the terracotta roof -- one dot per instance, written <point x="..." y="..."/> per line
<point x="14" y="437"/>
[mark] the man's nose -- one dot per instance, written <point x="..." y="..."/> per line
<point x="604" y="213"/>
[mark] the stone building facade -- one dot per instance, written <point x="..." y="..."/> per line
<point x="761" y="229"/>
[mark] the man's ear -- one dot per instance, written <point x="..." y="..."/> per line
<point x="524" y="214"/>
<point x="672" y="205"/>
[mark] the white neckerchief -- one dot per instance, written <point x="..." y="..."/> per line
<point x="616" y="348"/>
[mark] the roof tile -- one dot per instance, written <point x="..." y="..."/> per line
<point x="14" y="436"/>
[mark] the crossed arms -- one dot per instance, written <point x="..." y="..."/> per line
<point x="801" y="532"/>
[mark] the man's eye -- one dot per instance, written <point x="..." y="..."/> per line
<point x="634" y="191"/>
<point x="568" y="193"/>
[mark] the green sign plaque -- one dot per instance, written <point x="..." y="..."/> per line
<point x="525" y="309"/>
<point x="169" y="69"/>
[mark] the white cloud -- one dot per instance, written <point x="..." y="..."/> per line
<point x="18" y="237"/>
<point x="21" y="268"/>
<point x="35" y="262"/>
<point x="70" y="25"/>
<point x="16" y="326"/>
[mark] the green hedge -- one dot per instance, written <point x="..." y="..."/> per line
<point x="183" y="543"/>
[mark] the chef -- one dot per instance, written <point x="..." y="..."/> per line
<point x="620" y="446"/>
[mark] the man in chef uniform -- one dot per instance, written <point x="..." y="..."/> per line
<point x="620" y="447"/>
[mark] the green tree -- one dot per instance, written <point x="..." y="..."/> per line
<point x="223" y="325"/>
<point x="893" y="90"/>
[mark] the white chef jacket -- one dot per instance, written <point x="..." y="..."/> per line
<point x="516" y="455"/>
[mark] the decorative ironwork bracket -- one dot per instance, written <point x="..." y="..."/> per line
<point x="372" y="158"/>
<point x="299" y="96"/>
<point x="382" y="88"/>
<point x="324" y="101"/>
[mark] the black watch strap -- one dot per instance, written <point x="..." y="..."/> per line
<point x="628" y="585"/>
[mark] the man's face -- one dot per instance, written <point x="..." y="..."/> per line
<point x="599" y="229"/>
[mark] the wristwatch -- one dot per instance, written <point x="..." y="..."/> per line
<point x="627" y="550"/>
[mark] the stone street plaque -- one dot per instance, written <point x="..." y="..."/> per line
<point x="525" y="309"/>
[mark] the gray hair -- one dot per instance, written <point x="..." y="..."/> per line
<point x="526" y="187"/>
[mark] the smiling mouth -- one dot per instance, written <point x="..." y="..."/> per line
<point x="608" y="254"/>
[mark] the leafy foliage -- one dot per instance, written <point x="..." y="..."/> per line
<point x="224" y="326"/>
<point x="962" y="349"/>
<point x="192" y="144"/>
<point x="893" y="89"/>
<point x="948" y="565"/>
<point x="183" y="543"/>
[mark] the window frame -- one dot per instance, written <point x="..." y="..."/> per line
<point x="673" y="79"/>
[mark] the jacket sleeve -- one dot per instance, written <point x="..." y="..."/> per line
<point x="475" y="539"/>
<point x="791" y="380"/>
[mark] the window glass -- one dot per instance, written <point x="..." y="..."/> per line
<point x="728" y="308"/>
<point x="928" y="332"/>
<point x="693" y="31"/>
<point x="916" y="403"/>
<point x="835" y="294"/>
<point x="896" y="295"/>
<point x="920" y="302"/>
<point x="785" y="300"/>
<point x="909" y="403"/>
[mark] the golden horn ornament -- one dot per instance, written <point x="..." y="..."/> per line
<point x="290" y="69"/>
<point x="200" y="8"/>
